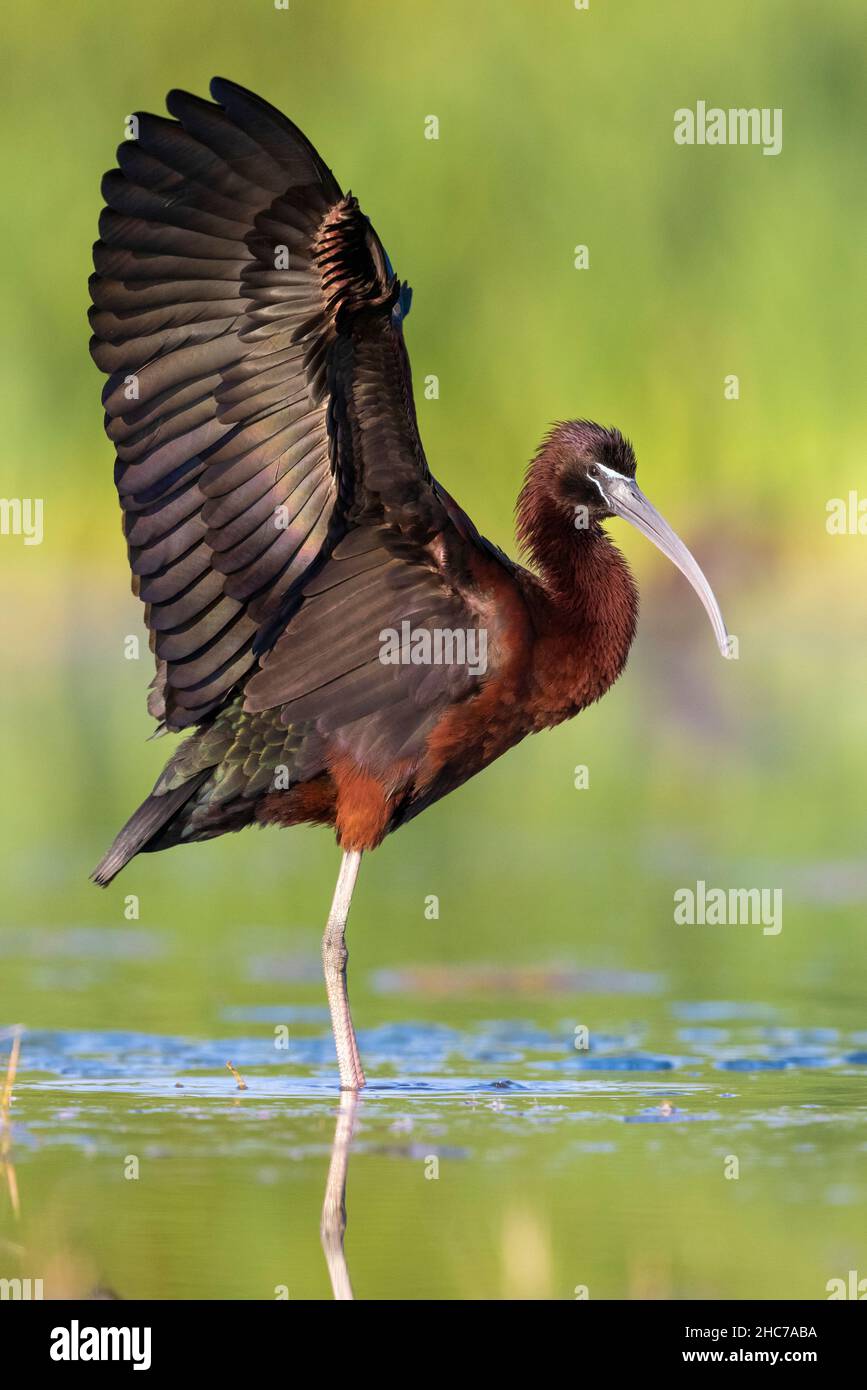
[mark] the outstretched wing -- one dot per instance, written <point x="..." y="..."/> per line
<point x="259" y="396"/>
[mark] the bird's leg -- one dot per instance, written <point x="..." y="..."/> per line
<point x="334" y="958"/>
<point x="333" y="1225"/>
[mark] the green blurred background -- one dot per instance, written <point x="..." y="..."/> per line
<point x="555" y="129"/>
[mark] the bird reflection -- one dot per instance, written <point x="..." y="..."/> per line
<point x="332" y="1227"/>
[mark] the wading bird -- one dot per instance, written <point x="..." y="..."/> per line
<point x="282" y="521"/>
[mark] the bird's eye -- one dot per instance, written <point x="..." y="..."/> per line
<point x="593" y="471"/>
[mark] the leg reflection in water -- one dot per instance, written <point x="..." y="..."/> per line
<point x="333" y="1224"/>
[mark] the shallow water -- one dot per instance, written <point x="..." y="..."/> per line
<point x="710" y="1142"/>
<point x="482" y="1157"/>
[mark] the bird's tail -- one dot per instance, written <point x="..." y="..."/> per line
<point x="152" y="816"/>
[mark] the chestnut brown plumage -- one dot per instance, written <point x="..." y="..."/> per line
<point x="281" y="517"/>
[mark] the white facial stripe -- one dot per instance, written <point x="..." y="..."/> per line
<point x="611" y="473"/>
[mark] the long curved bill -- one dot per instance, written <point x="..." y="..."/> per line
<point x="625" y="497"/>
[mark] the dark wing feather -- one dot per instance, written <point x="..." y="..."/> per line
<point x="327" y="670"/>
<point x="259" y="396"/>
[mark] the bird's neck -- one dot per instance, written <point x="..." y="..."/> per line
<point x="584" y="607"/>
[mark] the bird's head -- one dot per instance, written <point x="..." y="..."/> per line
<point x="582" y="475"/>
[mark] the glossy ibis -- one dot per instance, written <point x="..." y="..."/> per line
<point x="283" y="525"/>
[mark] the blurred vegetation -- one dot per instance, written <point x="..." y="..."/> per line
<point x="555" y="129"/>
